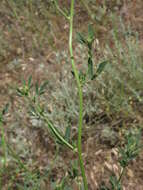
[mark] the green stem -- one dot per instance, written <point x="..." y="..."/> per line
<point x="52" y="128"/>
<point x="61" y="11"/>
<point x="57" y="134"/>
<point x="80" y="97"/>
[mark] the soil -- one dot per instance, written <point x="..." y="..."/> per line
<point x="100" y="157"/>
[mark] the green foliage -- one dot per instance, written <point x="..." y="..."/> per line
<point x="73" y="172"/>
<point x="3" y="112"/>
<point x="88" y="43"/>
<point x="114" y="183"/>
<point x="81" y="39"/>
<point x="2" y="135"/>
<point x="113" y="94"/>
<point x="101" y="67"/>
<point x="40" y="89"/>
<point x="127" y="153"/>
<point x="91" y="34"/>
<point x="37" y="110"/>
<point x="25" y="89"/>
<point x="67" y="133"/>
<point x="60" y="186"/>
<point x="131" y="149"/>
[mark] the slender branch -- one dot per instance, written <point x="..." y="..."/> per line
<point x="52" y="128"/>
<point x="57" y="133"/>
<point x="80" y="97"/>
<point x="61" y="11"/>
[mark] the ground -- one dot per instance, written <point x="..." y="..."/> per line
<point x="34" y="41"/>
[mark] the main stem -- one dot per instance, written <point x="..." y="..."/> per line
<point x="80" y="97"/>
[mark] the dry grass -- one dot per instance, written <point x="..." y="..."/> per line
<point x="32" y="41"/>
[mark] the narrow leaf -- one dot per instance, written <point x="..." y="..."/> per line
<point x="101" y="67"/>
<point x="57" y="134"/>
<point x="24" y="82"/>
<point x="81" y="39"/>
<point x="5" y="110"/>
<point x="67" y="133"/>
<point x="37" y="88"/>
<point x="19" y="92"/>
<point x="42" y="88"/>
<point x="90" y="33"/>
<point x="29" y="81"/>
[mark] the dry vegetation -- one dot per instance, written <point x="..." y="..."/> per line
<point x="33" y="41"/>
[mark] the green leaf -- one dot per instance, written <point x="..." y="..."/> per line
<point x="5" y="110"/>
<point x="57" y="134"/>
<point x="82" y="77"/>
<point x="21" y="92"/>
<point x="73" y="170"/>
<point x="131" y="149"/>
<point x="24" y="82"/>
<point x="29" y="81"/>
<point x="37" y="88"/>
<point x="42" y="88"/>
<point x="90" y="33"/>
<point x="81" y="39"/>
<point x="67" y="133"/>
<point x="101" y="67"/>
<point x="115" y="183"/>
